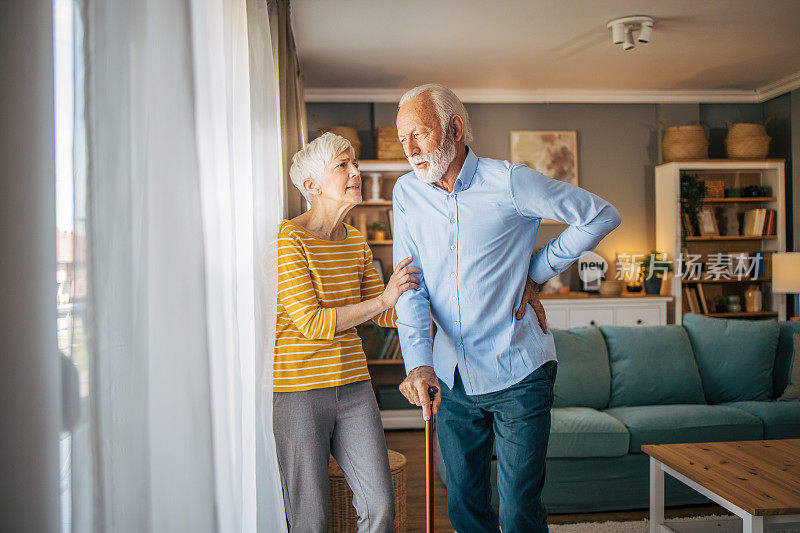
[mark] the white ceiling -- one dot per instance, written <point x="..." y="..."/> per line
<point x="550" y="50"/>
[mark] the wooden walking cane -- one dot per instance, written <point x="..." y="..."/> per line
<point x="429" y="463"/>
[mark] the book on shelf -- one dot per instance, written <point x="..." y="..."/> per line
<point x="396" y="349"/>
<point x="758" y="260"/>
<point x="702" y="298"/>
<point x="758" y="222"/>
<point x="691" y="298"/>
<point x="769" y="224"/>
<point x="767" y="264"/>
<point x="387" y="344"/>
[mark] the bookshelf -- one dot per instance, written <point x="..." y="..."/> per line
<point x="729" y="174"/>
<point x="386" y="370"/>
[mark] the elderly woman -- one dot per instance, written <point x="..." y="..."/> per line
<point x="323" y="399"/>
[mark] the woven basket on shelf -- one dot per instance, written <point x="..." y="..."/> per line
<point x="351" y="134"/>
<point x="747" y="147"/>
<point x="684" y="142"/>
<point x="387" y="146"/>
<point x="342" y="515"/>
<point x="745" y="129"/>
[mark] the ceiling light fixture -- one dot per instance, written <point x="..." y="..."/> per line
<point x="622" y="30"/>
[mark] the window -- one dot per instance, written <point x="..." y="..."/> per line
<point x="70" y="234"/>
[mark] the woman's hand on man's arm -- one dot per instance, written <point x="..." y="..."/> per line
<point x="401" y="281"/>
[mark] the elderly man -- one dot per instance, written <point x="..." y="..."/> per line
<point x="470" y="224"/>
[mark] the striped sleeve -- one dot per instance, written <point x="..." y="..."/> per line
<point x="372" y="287"/>
<point x="296" y="293"/>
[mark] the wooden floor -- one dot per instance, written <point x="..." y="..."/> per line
<point x="412" y="445"/>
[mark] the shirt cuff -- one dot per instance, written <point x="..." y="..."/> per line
<point x="540" y="270"/>
<point x="416" y="353"/>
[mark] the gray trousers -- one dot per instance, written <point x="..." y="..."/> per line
<point x="343" y="421"/>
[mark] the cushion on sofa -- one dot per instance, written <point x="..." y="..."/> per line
<point x="583" y="378"/>
<point x="651" y="365"/>
<point x="735" y="357"/>
<point x="783" y="357"/>
<point x="584" y="432"/>
<point x="781" y="419"/>
<point x="668" y="424"/>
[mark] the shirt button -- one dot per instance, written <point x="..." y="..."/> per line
<point x="452" y="246"/>
<point x="454" y="298"/>
<point x="452" y="274"/>
<point x="452" y="221"/>
<point x="449" y="195"/>
<point x="456" y="324"/>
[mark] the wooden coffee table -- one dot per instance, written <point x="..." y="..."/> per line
<point x="758" y="481"/>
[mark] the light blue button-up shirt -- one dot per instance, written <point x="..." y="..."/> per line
<point x="474" y="248"/>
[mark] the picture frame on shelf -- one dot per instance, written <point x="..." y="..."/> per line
<point x="707" y="222"/>
<point x="390" y="216"/>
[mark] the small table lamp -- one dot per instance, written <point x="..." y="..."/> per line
<point x="786" y="273"/>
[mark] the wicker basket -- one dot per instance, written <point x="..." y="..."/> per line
<point x="684" y="142"/>
<point x="387" y="146"/>
<point x="744" y="129"/>
<point x="747" y="147"/>
<point x="341" y="513"/>
<point x="351" y="134"/>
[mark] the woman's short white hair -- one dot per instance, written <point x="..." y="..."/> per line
<point x="445" y="103"/>
<point x="310" y="162"/>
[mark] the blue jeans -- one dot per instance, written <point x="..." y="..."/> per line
<point x="517" y="421"/>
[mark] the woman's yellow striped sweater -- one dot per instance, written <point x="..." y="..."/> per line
<point x="314" y="277"/>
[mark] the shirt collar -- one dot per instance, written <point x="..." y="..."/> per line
<point x="467" y="171"/>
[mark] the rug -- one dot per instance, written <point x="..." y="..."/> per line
<point x="643" y="526"/>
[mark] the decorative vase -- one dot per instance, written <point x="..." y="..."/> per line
<point x="652" y="285"/>
<point x="752" y="299"/>
<point x="375" y="188"/>
<point x="379" y="235"/>
<point x="734" y="303"/>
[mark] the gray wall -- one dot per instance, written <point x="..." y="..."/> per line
<point x="30" y="384"/>
<point x="618" y="147"/>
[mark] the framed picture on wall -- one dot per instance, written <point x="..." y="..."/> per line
<point x="553" y="153"/>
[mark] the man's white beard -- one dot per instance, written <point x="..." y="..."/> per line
<point x="438" y="161"/>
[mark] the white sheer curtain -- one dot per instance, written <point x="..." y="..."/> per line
<point x="184" y="196"/>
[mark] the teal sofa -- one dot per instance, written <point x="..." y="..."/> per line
<point x="618" y="388"/>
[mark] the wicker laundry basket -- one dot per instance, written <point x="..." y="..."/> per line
<point x="341" y="513"/>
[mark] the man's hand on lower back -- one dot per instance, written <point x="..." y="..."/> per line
<point x="531" y="296"/>
<point x="415" y="389"/>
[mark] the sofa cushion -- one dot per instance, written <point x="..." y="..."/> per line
<point x="584" y="432"/>
<point x="651" y="365"/>
<point x="781" y="420"/>
<point x="735" y="357"/>
<point x="783" y="357"/>
<point x="583" y="378"/>
<point x="668" y="424"/>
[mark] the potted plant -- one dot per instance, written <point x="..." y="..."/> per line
<point x="378" y="231"/>
<point x="693" y="194"/>
<point x="654" y="268"/>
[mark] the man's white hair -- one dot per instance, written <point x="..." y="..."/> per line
<point x="310" y="162"/>
<point x="445" y="103"/>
